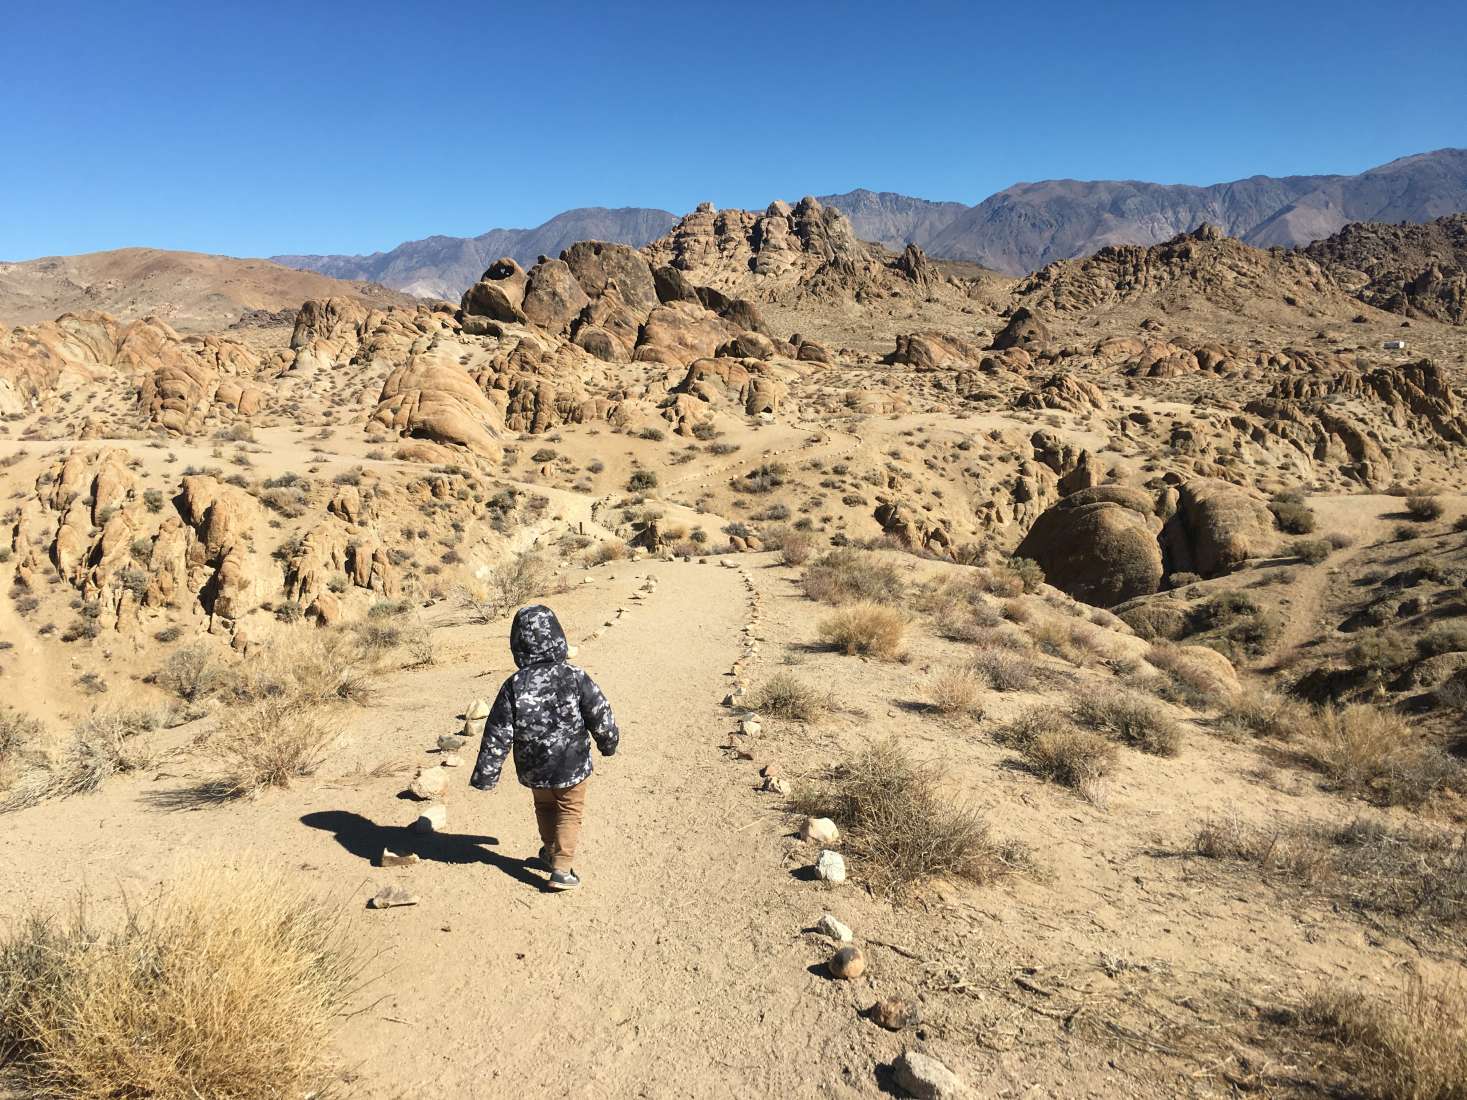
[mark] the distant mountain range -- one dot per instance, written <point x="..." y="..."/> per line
<point x="1015" y="231"/>
<point x="444" y="267"/>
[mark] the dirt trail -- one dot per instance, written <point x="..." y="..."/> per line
<point x="679" y="970"/>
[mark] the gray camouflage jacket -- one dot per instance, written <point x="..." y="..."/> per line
<point x="545" y="711"/>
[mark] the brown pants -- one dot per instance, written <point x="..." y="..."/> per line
<point x="558" y="813"/>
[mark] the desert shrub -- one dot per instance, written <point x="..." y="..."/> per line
<point x="1380" y="651"/>
<point x="104" y="744"/>
<point x="795" y="548"/>
<point x="654" y="435"/>
<point x="270" y="743"/>
<point x="847" y="575"/>
<point x="228" y="985"/>
<point x="608" y="552"/>
<point x="957" y="692"/>
<point x="1028" y="571"/>
<point x="1292" y="513"/>
<point x="1004" y="669"/>
<point x="1424" y="507"/>
<point x="641" y="481"/>
<point x="1443" y="638"/>
<point x="1188" y="679"/>
<point x="1132" y="720"/>
<point x="1311" y="551"/>
<point x="1259" y="712"/>
<point x="1054" y="749"/>
<point x="1183" y="579"/>
<point x="898" y="824"/>
<point x="544" y="455"/>
<point x="1412" y="1047"/>
<point x="153" y="499"/>
<point x="785" y="696"/>
<point x="1375" y="755"/>
<point x="190" y="673"/>
<point x="1152" y="621"/>
<point x="764" y="478"/>
<point x="18" y="736"/>
<point x="507" y="587"/>
<point x="865" y="629"/>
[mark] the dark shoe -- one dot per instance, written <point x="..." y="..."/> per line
<point x="564" y="880"/>
<point x="542" y="860"/>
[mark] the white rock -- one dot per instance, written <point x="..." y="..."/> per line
<point x="750" y="728"/>
<point x="924" y="1077"/>
<point x="429" y="782"/>
<point x="831" y="866"/>
<point x="432" y="819"/>
<point x="773" y="784"/>
<point x="452" y="760"/>
<point x="571" y="651"/>
<point x="389" y="896"/>
<point x="819" y="830"/>
<point x="833" y="928"/>
<point x="397" y="859"/>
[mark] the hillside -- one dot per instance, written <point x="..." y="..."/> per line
<point x="192" y="291"/>
<point x="894" y="220"/>
<point x="444" y="267"/>
<point x="1415" y="270"/>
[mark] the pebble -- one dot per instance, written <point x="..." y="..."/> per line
<point x="452" y="760"/>
<point x="831" y="866"/>
<point x="774" y="785"/>
<point x="432" y="819"/>
<point x="429" y="782"/>
<point x="451" y="742"/>
<point x="847" y="963"/>
<point x="396" y="859"/>
<point x="770" y="771"/>
<point x="390" y="896"/>
<point x="750" y="728"/>
<point x="819" y="830"/>
<point x="924" y="1077"/>
<point x="894" y="1014"/>
<point x="835" y="929"/>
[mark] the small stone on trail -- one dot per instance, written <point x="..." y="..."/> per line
<point x="750" y="728"/>
<point x="831" y="866"/>
<point x="389" y="896"/>
<point x="924" y="1077"/>
<point x="742" y="753"/>
<point x="571" y="651"/>
<point x="774" y="785"/>
<point x="819" y="830"/>
<point x="770" y="771"/>
<point x="432" y="819"/>
<point x="395" y="859"/>
<point x="429" y="782"/>
<point x="451" y="742"/>
<point x="835" y="929"/>
<point x="847" y="963"/>
<point x="479" y="708"/>
<point x="894" y="1014"/>
<point x="452" y="760"/>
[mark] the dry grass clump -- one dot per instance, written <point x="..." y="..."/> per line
<point x="607" y="552"/>
<point x="784" y="696"/>
<point x="508" y="586"/>
<point x="311" y="669"/>
<point x="1005" y="669"/>
<point x="271" y="743"/>
<point x="18" y="736"/>
<point x="191" y="673"/>
<point x="1132" y="720"/>
<point x="899" y="825"/>
<point x="850" y="576"/>
<point x="1259" y="712"/>
<point x="1412" y="1047"/>
<point x="1407" y="874"/>
<point x="1054" y="749"/>
<point x="1189" y="679"/>
<point x="1375" y="755"/>
<point x="957" y="692"/>
<point x="227" y="986"/>
<point x="105" y="744"/>
<point x="866" y="629"/>
<point x="795" y="548"/>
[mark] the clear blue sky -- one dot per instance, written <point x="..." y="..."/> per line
<point x="262" y="128"/>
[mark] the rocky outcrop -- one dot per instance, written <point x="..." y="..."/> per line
<point x="1063" y="392"/>
<point x="1098" y="545"/>
<point x="432" y="397"/>
<point x="1216" y="527"/>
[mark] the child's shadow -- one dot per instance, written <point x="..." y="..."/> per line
<point x="365" y="839"/>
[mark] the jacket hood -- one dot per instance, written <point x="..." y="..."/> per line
<point x="536" y="637"/>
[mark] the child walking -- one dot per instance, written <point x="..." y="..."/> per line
<point x="546" y="711"/>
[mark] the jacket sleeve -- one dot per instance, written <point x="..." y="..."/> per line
<point x="498" y="737"/>
<point x="596" y="713"/>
